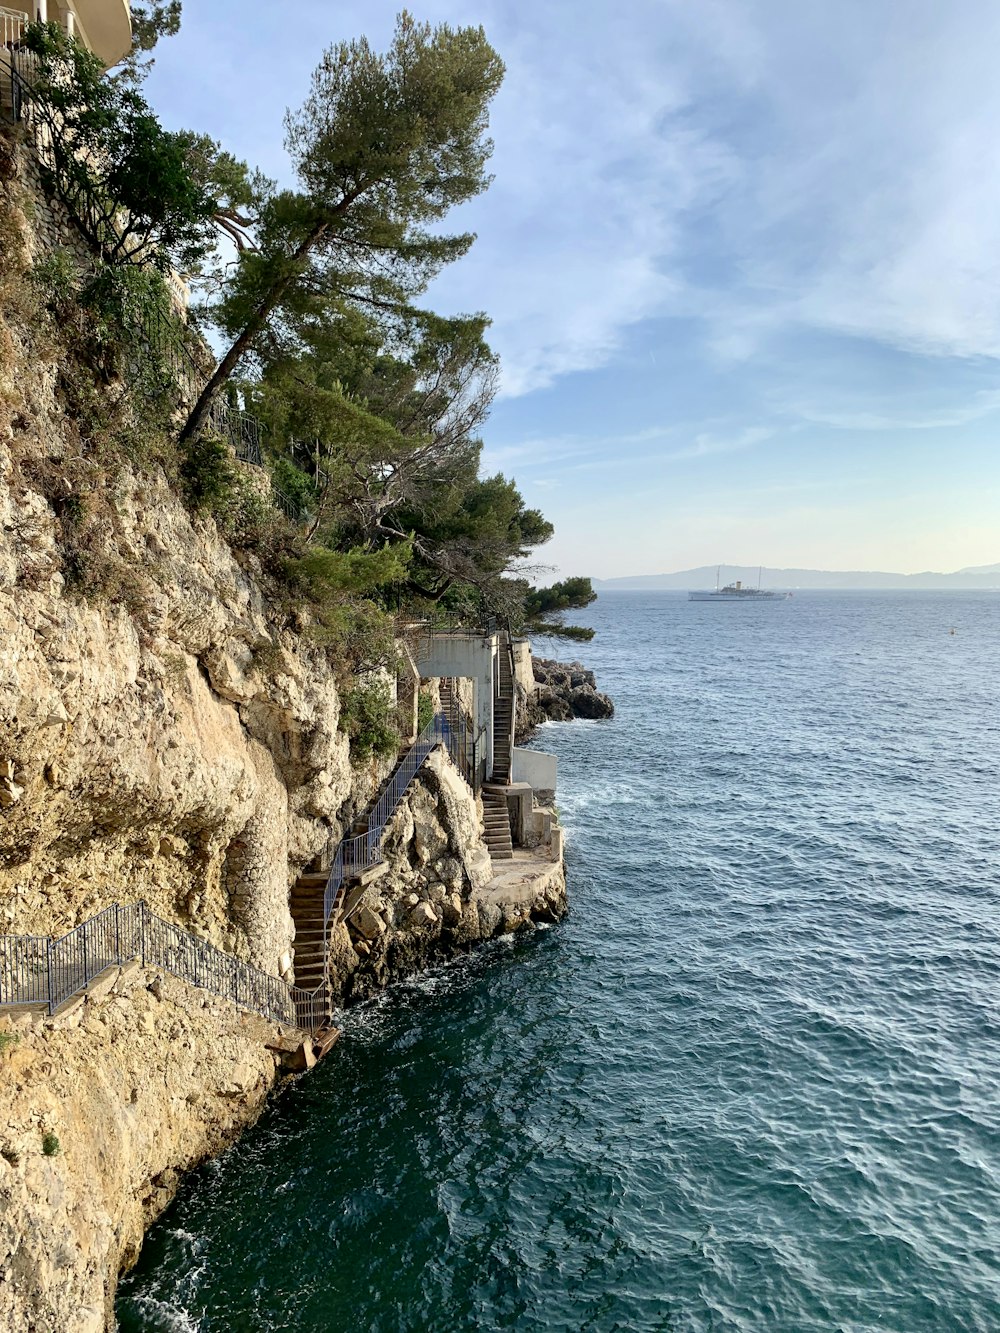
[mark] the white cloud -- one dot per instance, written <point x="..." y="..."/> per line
<point x="760" y="170"/>
<point x="756" y="168"/>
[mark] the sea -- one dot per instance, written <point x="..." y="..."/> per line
<point x="750" y="1085"/>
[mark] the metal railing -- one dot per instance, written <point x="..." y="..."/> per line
<point x="462" y="737"/>
<point x="12" y="25"/>
<point x="37" y="970"/>
<point x="364" y="850"/>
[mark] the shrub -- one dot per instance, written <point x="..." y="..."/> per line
<point x="368" y="716"/>
<point x="425" y="710"/>
<point x="57" y="278"/>
<point x="51" y="1146"/>
<point x="208" y="472"/>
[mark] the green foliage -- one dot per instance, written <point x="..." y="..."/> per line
<point x="294" y="484"/>
<point x="8" y="1039"/>
<point x="425" y="710"/>
<point x="151" y="21"/>
<point x="367" y="715"/>
<point x="125" y="301"/>
<point x="359" y="636"/>
<point x="544" y="608"/>
<point x="58" y="278"/>
<point x="208" y="472"/>
<point x="552" y="629"/>
<point x="51" y="1146"/>
<point x="571" y="594"/>
<point x="322" y="573"/>
<point x="372" y="407"/>
<point x="136" y="192"/>
<point x="383" y="147"/>
<point x="246" y="517"/>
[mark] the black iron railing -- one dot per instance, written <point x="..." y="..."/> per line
<point x="37" y="970"/>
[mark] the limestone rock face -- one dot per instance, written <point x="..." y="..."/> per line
<point x="131" y="1088"/>
<point x="166" y="737"/>
<point x="189" y="755"/>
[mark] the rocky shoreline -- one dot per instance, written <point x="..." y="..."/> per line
<point x="563" y="691"/>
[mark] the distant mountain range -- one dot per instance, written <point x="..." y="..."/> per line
<point x="979" y="576"/>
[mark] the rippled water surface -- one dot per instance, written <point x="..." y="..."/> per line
<point x="751" y="1085"/>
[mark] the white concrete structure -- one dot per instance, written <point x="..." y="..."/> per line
<point x="471" y="655"/>
<point x="538" y="769"/>
<point x="103" y="26"/>
<point x="475" y="655"/>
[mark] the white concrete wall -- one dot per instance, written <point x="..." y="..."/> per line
<point x="535" y="767"/>
<point x="472" y="657"/>
<point x="523" y="673"/>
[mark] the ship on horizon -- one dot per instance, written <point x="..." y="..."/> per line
<point x="738" y="592"/>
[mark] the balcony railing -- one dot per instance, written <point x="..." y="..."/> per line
<point x="12" y="25"/>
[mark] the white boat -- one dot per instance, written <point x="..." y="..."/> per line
<point x="738" y="592"/>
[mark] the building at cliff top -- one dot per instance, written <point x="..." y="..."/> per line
<point x="103" y="26"/>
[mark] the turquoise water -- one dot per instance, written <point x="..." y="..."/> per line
<point x="751" y="1085"/>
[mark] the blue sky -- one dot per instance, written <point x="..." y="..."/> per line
<point x="742" y="259"/>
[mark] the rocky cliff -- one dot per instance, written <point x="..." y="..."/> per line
<point x="166" y="735"/>
<point x="101" y="1110"/>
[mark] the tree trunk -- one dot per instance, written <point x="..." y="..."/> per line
<point x="195" y="423"/>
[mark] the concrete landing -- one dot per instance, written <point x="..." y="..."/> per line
<point x="522" y="879"/>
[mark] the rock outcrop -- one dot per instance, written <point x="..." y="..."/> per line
<point x="563" y="691"/>
<point x="102" y="1109"/>
<point x="167" y="734"/>
<point x="437" y="893"/>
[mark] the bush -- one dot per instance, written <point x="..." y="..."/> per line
<point x="368" y="716"/>
<point x="51" y="1146"/>
<point x="57" y="277"/>
<point x="208" y="472"/>
<point x="425" y="710"/>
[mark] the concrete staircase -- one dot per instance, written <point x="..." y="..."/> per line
<point x="503" y="720"/>
<point x="496" y="824"/>
<point x="307" y="912"/>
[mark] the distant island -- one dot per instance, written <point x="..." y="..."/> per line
<point x="978" y="576"/>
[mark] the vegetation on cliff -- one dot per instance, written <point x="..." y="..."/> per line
<point x="371" y="405"/>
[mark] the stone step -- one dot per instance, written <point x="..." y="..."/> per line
<point x="309" y="975"/>
<point x="312" y="880"/>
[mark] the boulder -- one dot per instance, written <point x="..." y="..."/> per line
<point x="368" y="923"/>
<point x="423" y="915"/>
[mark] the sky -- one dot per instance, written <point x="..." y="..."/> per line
<point x="742" y="259"/>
